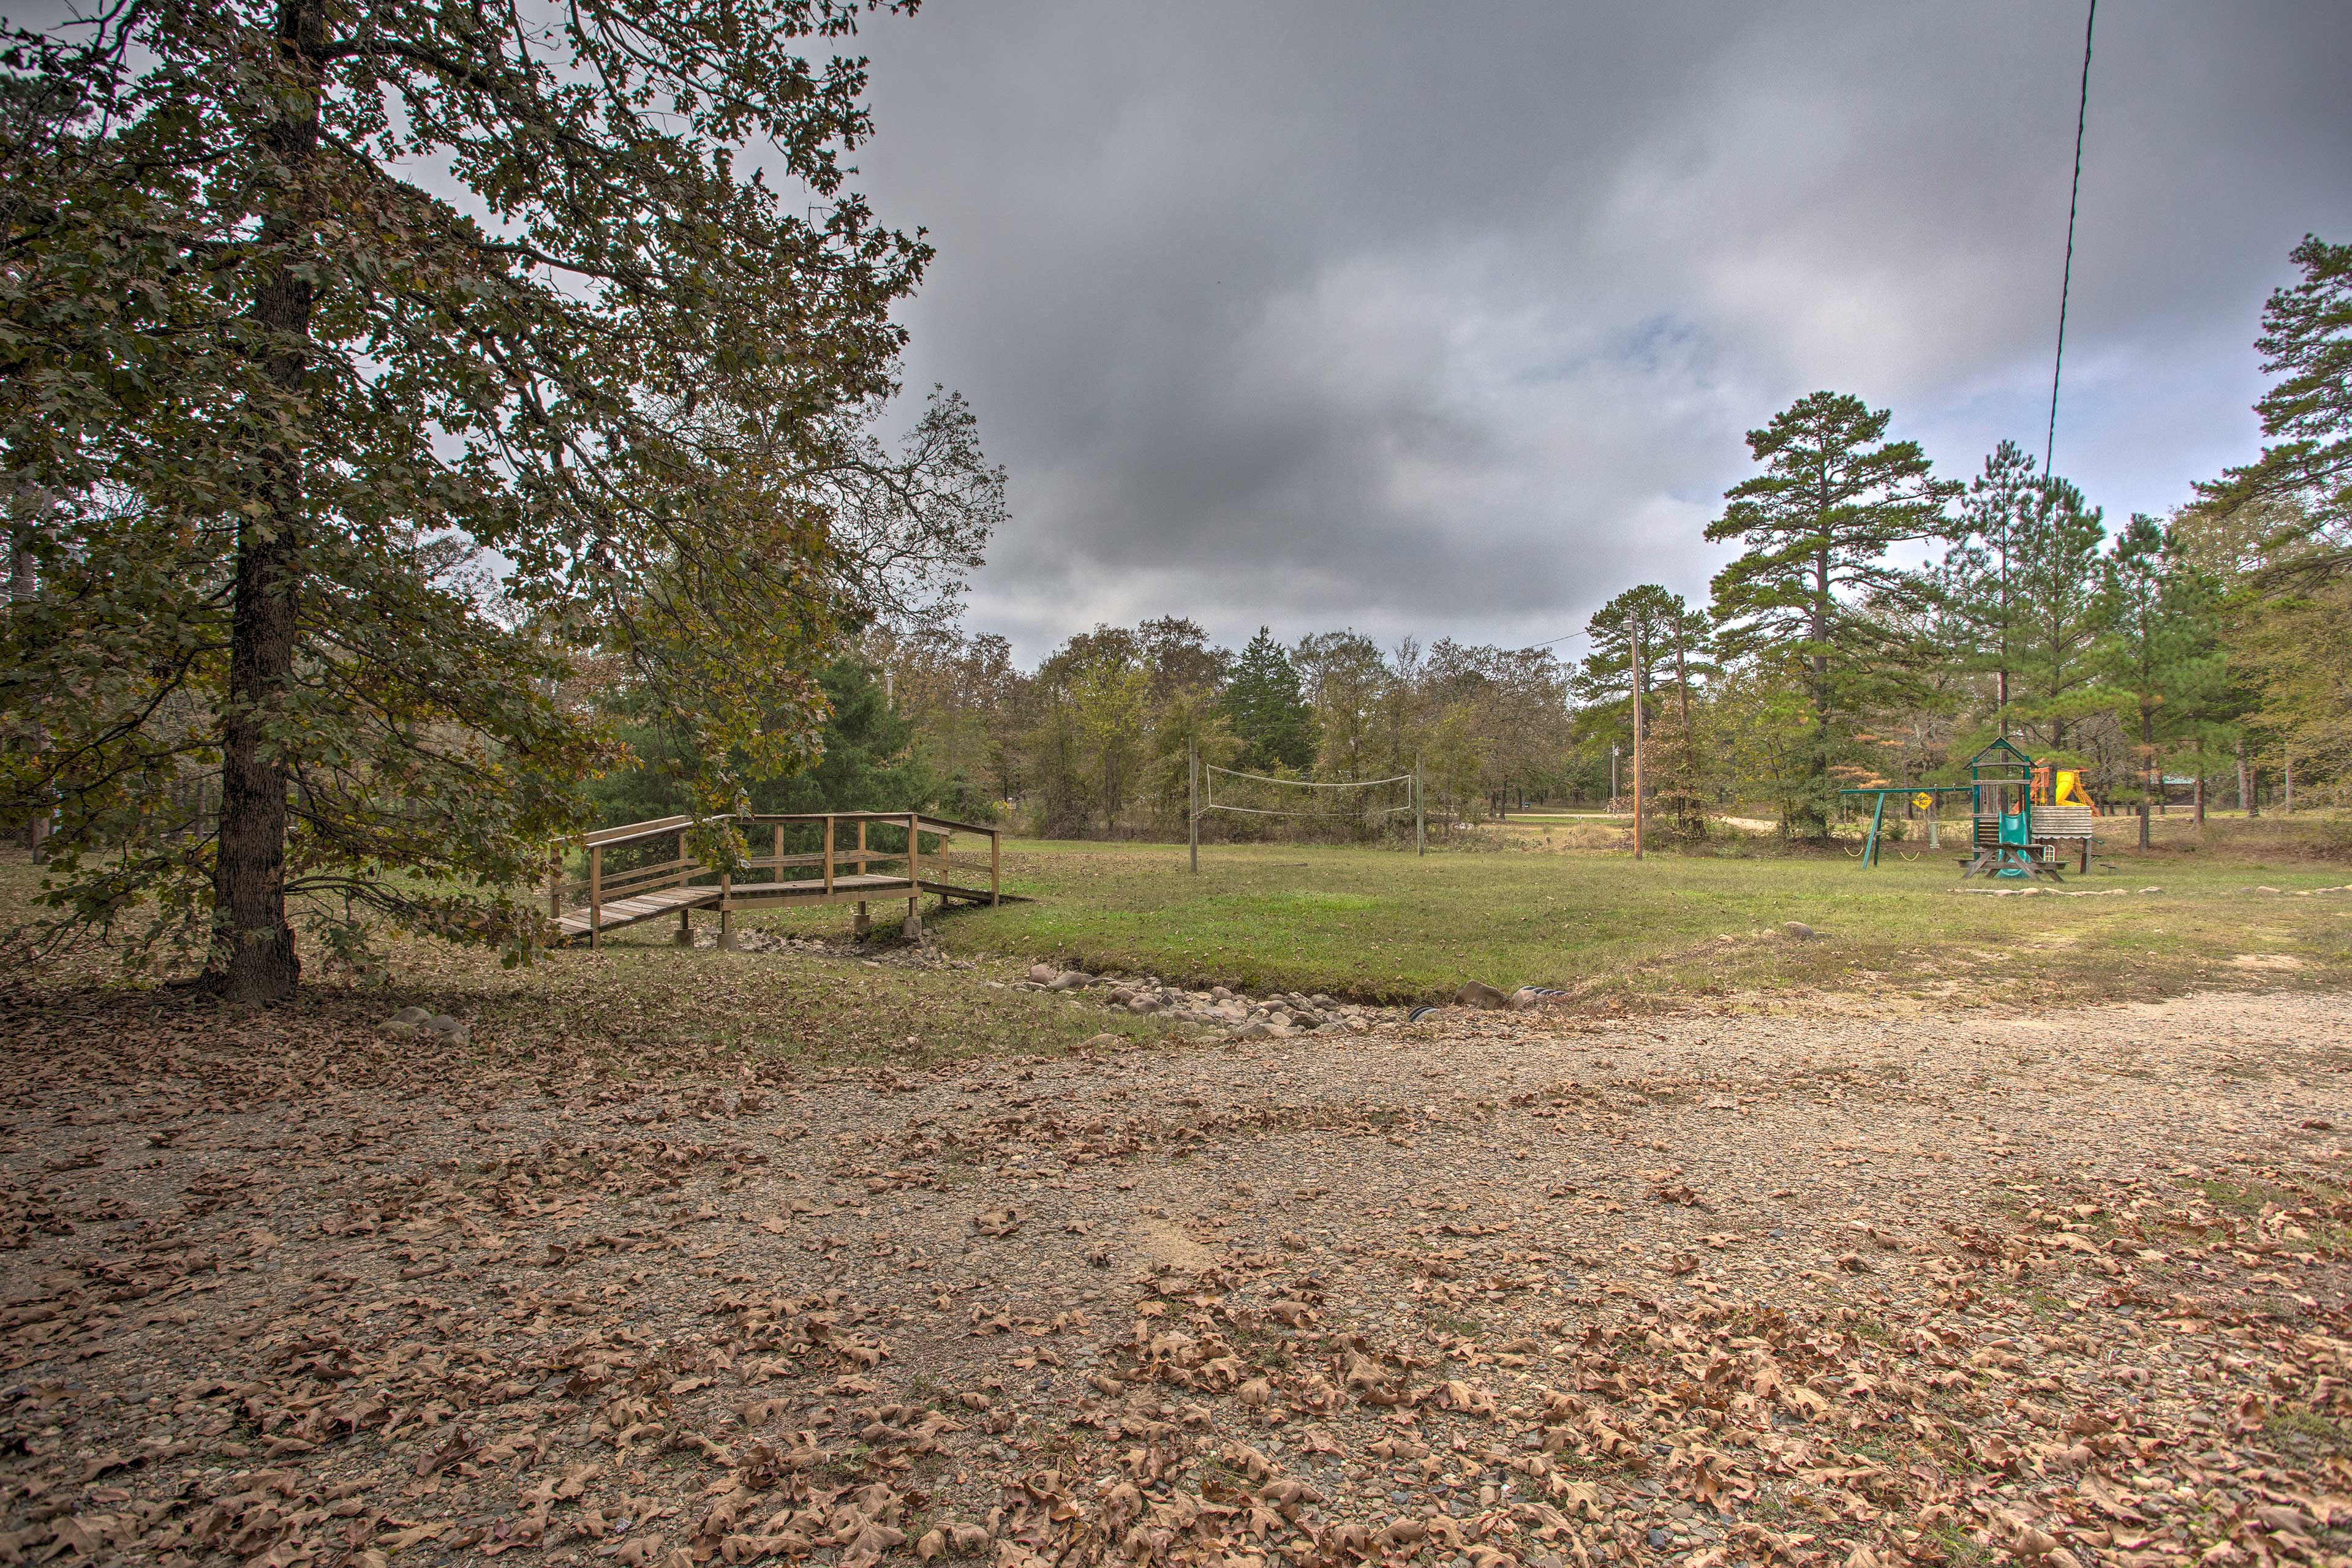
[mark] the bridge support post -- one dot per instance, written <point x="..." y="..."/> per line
<point x="726" y="929"/>
<point x="863" y="923"/>
<point x="913" y="928"/>
<point x="685" y="937"/>
<point x="596" y="898"/>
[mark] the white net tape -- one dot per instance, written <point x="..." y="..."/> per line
<point x="1209" y="802"/>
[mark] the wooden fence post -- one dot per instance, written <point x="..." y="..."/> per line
<point x="596" y="896"/>
<point x="914" y="876"/>
<point x="726" y="914"/>
<point x="994" y="840"/>
<point x="828" y="852"/>
<point x="865" y="921"/>
<point x="778" y="875"/>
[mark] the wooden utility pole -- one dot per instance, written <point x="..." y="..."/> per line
<point x="1192" y="800"/>
<point x="1637" y="739"/>
<point x="1419" y="820"/>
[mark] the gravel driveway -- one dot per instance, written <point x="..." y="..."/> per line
<point x="1489" y="1288"/>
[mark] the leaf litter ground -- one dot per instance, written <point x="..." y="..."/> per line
<point x="1482" y="1291"/>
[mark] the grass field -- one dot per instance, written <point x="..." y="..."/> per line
<point x="637" y="1009"/>
<point x="1378" y="925"/>
<point x="1537" y="904"/>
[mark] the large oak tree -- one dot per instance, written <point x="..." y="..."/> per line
<point x="362" y="361"/>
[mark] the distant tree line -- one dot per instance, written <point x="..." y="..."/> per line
<point x="1880" y="623"/>
<point x="1097" y="740"/>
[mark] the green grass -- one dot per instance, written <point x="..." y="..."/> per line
<point x="642" y="1014"/>
<point x="1379" y="924"/>
<point x="2238" y="1197"/>
<point x="2306" y="1433"/>
<point x="636" y="1010"/>
<point x="1365" y="923"/>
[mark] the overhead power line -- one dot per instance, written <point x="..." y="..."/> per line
<point x="2066" y="279"/>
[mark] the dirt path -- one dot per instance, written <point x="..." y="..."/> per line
<point x="1484" y="1289"/>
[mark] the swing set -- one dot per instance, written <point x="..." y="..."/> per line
<point x="2024" y="814"/>
<point x="1927" y="797"/>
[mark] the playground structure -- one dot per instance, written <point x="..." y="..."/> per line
<point x="1925" y="796"/>
<point x="2025" y="815"/>
<point x="594" y="903"/>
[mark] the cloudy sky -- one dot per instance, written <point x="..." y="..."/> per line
<point x="1448" y="320"/>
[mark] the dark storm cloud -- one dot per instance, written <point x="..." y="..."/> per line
<point x="1449" y="320"/>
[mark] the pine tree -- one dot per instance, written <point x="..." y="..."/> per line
<point x="1676" y="645"/>
<point x="866" y="762"/>
<point x="2306" y="343"/>
<point x="1268" y="713"/>
<point x="2161" y="658"/>
<point x="1818" y="523"/>
<point x="2282" y="527"/>
<point x="1977" y="576"/>
<point x="2060" y="610"/>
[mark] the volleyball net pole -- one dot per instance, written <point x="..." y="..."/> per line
<point x="1192" y="799"/>
<point x="1420" y="821"/>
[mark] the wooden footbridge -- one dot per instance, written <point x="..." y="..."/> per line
<point x="867" y="856"/>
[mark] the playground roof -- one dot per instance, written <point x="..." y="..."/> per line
<point x="2011" y="756"/>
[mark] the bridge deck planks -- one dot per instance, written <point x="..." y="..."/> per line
<point x="639" y="908"/>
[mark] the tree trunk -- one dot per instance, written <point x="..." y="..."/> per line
<point x="252" y="957"/>
<point x="2001" y="657"/>
<point x="1637" y="743"/>
<point x="1817" y="623"/>
<point x="2148" y="764"/>
<point x="2200" y="799"/>
<point x="2246" y="786"/>
<point x="23" y="586"/>
<point x="1688" y="801"/>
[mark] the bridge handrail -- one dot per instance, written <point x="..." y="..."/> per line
<point x="628" y="832"/>
<point x="681" y="869"/>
